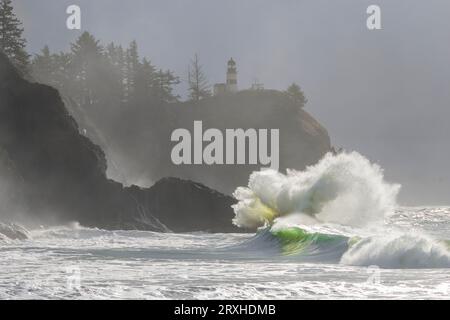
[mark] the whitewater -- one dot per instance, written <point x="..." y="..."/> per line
<point x="332" y="231"/>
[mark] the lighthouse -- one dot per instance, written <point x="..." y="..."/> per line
<point x="231" y="76"/>
<point x="231" y="85"/>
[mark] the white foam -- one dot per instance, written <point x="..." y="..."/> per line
<point x="344" y="188"/>
<point x="398" y="251"/>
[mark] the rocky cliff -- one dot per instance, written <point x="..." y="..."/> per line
<point x="61" y="174"/>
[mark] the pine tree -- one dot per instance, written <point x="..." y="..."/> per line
<point x="132" y="67"/>
<point x="87" y="59"/>
<point x="296" y="94"/>
<point x="62" y="72"/>
<point x="11" y="41"/>
<point x="198" y="84"/>
<point x="116" y="59"/>
<point x="164" y="82"/>
<point x="143" y="81"/>
<point x="53" y="69"/>
<point x="42" y="67"/>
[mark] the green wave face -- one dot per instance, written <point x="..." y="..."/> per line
<point x="298" y="244"/>
<point x="295" y="240"/>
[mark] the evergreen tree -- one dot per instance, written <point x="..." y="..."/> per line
<point x="198" y="84"/>
<point x="62" y="72"/>
<point x="144" y="80"/>
<point x="11" y="41"/>
<point x="116" y="58"/>
<point x="164" y="83"/>
<point x="103" y="78"/>
<point x="132" y="67"/>
<point x="43" y="68"/>
<point x="86" y="63"/>
<point x="53" y="69"/>
<point x="296" y="94"/>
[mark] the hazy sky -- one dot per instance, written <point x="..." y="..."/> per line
<point x="384" y="93"/>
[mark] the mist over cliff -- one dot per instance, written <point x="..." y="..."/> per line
<point x="142" y="146"/>
<point x="50" y="173"/>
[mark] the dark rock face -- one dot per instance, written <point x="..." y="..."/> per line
<point x="63" y="173"/>
<point x="186" y="206"/>
<point x="11" y="186"/>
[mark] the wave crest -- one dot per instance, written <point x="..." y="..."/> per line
<point x="398" y="251"/>
<point x="345" y="188"/>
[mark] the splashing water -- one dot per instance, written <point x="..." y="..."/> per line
<point x="335" y="208"/>
<point x="345" y="189"/>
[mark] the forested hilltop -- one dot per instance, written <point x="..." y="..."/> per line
<point x="100" y="83"/>
<point x="128" y="106"/>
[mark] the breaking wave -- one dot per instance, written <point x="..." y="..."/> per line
<point x="334" y="212"/>
<point x="344" y="188"/>
<point x="399" y="251"/>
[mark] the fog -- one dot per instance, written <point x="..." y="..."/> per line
<point x="383" y="93"/>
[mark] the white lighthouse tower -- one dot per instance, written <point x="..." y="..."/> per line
<point x="232" y="76"/>
<point x="231" y="85"/>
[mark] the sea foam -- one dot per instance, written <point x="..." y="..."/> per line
<point x="345" y="188"/>
<point x="398" y="251"/>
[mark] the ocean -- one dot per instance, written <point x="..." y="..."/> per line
<point x="72" y="262"/>
<point x="332" y="231"/>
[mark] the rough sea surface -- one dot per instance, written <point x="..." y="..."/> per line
<point x="403" y="259"/>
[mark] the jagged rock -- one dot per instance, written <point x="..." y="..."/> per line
<point x="190" y="206"/>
